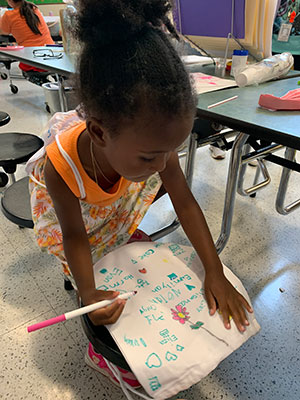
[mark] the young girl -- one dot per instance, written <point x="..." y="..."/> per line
<point x="99" y="176"/>
<point x="27" y="25"/>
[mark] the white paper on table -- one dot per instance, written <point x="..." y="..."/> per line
<point x="204" y="83"/>
<point x="193" y="59"/>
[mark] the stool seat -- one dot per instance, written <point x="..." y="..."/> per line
<point x="4" y="118"/>
<point x="15" y="203"/>
<point x="16" y="148"/>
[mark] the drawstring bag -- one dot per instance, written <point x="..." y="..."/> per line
<point x="165" y="332"/>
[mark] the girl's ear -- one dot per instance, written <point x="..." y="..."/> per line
<point x="97" y="132"/>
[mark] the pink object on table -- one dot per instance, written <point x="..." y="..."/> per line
<point x="290" y="101"/>
<point x="11" y="48"/>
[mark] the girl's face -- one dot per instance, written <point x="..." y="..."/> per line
<point x="144" y="145"/>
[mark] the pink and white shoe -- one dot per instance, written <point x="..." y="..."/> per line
<point x="97" y="362"/>
<point x="139" y="236"/>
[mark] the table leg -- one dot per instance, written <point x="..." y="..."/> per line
<point x="290" y="154"/>
<point x="230" y="193"/>
<point x="61" y="93"/>
<point x="189" y="169"/>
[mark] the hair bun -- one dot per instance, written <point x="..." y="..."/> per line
<point x="105" y="22"/>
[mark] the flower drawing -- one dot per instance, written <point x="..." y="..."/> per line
<point x="180" y="314"/>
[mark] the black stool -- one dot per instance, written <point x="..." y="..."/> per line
<point x="16" y="148"/>
<point x="15" y="203"/>
<point x="103" y="342"/>
<point x="4" y="118"/>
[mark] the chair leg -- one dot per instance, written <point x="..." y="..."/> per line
<point x="189" y="168"/>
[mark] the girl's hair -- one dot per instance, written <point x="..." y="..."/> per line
<point x="27" y="11"/>
<point x="127" y="62"/>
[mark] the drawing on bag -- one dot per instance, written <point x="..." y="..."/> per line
<point x="180" y="314"/>
<point x="171" y="356"/>
<point x="154" y="383"/>
<point x="190" y="287"/>
<point x="143" y="270"/>
<point x="153" y="361"/>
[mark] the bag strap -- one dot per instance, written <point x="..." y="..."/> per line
<point x="126" y="388"/>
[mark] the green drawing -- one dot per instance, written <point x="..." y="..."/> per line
<point x="181" y="315"/>
<point x="190" y="287"/>
<point x="153" y="361"/>
<point x="197" y="325"/>
<point x="154" y="383"/>
<point x="171" y="356"/>
<point x="103" y="271"/>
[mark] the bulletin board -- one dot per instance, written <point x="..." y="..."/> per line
<point x="206" y="18"/>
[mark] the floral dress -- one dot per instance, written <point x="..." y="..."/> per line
<point x="107" y="227"/>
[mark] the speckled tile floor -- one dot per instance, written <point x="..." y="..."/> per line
<point x="263" y="250"/>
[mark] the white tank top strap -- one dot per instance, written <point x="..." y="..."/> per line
<point x="73" y="168"/>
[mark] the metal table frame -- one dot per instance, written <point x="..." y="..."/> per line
<point x="60" y="67"/>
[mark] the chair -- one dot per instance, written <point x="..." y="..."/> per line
<point x="17" y="148"/>
<point x="15" y="203"/>
<point x="38" y="78"/>
<point x="4" y="119"/>
<point x="103" y="342"/>
<point x="7" y="63"/>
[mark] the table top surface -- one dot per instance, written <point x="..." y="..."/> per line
<point x="244" y="113"/>
<point x="63" y="66"/>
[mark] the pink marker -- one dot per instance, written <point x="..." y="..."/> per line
<point x="79" y="311"/>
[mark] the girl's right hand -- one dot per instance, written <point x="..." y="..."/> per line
<point x="107" y="315"/>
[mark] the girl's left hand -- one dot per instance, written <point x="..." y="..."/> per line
<point x="220" y="294"/>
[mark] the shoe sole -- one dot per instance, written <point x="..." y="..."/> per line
<point x="102" y="371"/>
<point x="216" y="157"/>
<point x="90" y="364"/>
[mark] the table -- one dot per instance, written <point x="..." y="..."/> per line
<point x="244" y="115"/>
<point x="64" y="66"/>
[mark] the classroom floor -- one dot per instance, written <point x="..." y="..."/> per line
<point x="263" y="251"/>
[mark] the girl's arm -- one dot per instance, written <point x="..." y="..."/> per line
<point x="218" y="290"/>
<point x="77" y="248"/>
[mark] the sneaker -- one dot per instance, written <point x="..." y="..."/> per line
<point x="97" y="362"/>
<point x="139" y="236"/>
<point x="253" y="163"/>
<point x="217" y="153"/>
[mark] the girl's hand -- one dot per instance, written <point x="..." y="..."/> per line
<point x="107" y="315"/>
<point x="221" y="294"/>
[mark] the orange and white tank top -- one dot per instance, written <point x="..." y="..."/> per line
<point x="64" y="156"/>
